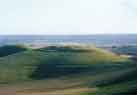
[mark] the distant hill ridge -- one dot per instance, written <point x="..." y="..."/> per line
<point x="11" y="49"/>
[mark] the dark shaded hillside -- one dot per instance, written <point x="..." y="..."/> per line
<point x="11" y="49"/>
<point x="128" y="50"/>
<point x="121" y="82"/>
<point x="125" y="84"/>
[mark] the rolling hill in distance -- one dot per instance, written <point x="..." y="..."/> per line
<point x="66" y="70"/>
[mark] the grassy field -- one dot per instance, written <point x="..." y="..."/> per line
<point x="67" y="70"/>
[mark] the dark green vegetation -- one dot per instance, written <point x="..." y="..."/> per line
<point x="109" y="73"/>
<point x="129" y="50"/>
<point x="122" y="82"/>
<point x="11" y="49"/>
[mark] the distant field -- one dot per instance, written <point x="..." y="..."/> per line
<point x="66" y="70"/>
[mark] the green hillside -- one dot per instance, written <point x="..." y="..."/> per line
<point x="122" y="82"/>
<point x="53" y="62"/>
<point x="90" y="66"/>
<point x="11" y="49"/>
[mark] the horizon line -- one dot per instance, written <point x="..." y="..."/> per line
<point x="67" y="34"/>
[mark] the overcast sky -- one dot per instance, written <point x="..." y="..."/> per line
<point x="68" y="16"/>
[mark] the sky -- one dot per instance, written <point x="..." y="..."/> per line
<point x="53" y="17"/>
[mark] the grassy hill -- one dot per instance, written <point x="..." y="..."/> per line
<point x="122" y="82"/>
<point x="90" y="66"/>
<point x="11" y="49"/>
<point x="54" y="62"/>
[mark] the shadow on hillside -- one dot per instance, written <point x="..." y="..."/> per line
<point x="57" y="68"/>
<point x="128" y="78"/>
<point x="10" y="49"/>
<point x="116" y="78"/>
<point x="63" y="49"/>
<point x="131" y="92"/>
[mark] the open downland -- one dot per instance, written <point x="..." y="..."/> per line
<point x="66" y="70"/>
